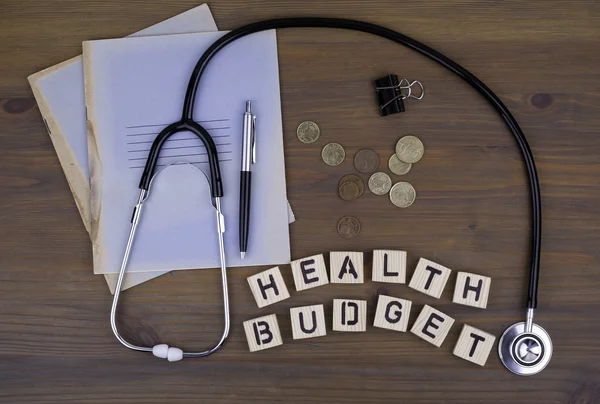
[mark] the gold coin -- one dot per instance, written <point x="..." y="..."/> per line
<point x="333" y="154"/>
<point x="348" y="227"/>
<point x="348" y="191"/>
<point x="308" y="132"/>
<point x="410" y="149"/>
<point x="402" y="194"/>
<point x="356" y="181"/>
<point x="380" y="183"/>
<point x="398" y="166"/>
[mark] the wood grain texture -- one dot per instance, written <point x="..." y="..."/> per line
<point x="262" y="333"/>
<point x="349" y="315"/>
<point x="432" y="325"/>
<point x="309" y="272"/>
<point x="392" y="313"/>
<point x="346" y="267"/>
<point x="308" y="321"/>
<point x="474" y="345"/>
<point x="430" y="278"/>
<point x="472" y="212"/>
<point x="389" y="266"/>
<point x="268" y="287"/>
<point x="472" y="290"/>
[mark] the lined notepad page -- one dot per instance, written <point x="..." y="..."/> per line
<point x="137" y="87"/>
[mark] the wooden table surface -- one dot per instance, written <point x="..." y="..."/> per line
<point x="471" y="214"/>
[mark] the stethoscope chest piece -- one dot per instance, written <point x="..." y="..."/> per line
<point x="525" y="353"/>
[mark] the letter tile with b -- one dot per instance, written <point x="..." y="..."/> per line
<point x="472" y="290"/>
<point x="429" y="278"/>
<point x="268" y="287"/>
<point x="309" y="272"/>
<point x="308" y="321"/>
<point x="392" y="313"/>
<point x="349" y="315"/>
<point x="262" y="333"/>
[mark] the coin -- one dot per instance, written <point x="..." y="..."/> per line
<point x="308" y="132"/>
<point x="366" y="161"/>
<point x="380" y="183"/>
<point x="398" y="166"/>
<point x="333" y="154"/>
<point x="348" y="227"/>
<point x="410" y="149"/>
<point x="347" y="192"/>
<point x="402" y="194"/>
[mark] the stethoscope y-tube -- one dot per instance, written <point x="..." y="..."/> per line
<point x="521" y="343"/>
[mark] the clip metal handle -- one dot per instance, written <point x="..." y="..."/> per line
<point x="253" y="142"/>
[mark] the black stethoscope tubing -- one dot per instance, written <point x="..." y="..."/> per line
<point x="187" y="122"/>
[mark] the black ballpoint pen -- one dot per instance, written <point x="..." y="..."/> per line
<point x="248" y="158"/>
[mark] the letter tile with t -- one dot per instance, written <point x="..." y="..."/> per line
<point x="429" y="278"/>
<point x="308" y="321"/>
<point x="349" y="315"/>
<point x="309" y="272"/>
<point x="268" y="287"/>
<point x="474" y="345"/>
<point x="262" y="333"/>
<point x="432" y="325"/>
<point x="346" y="267"/>
<point x="472" y="290"/>
<point x="392" y="313"/>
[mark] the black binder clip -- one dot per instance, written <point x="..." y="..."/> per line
<point x="392" y="92"/>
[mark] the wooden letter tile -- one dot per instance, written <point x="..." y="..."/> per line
<point x="392" y="313"/>
<point x="389" y="266"/>
<point x="346" y="267"/>
<point x="472" y="290"/>
<point x="309" y="272"/>
<point x="268" y="287"/>
<point x="429" y="278"/>
<point x="474" y="345"/>
<point x="308" y="321"/>
<point x="432" y="325"/>
<point x="262" y="333"/>
<point x="349" y="315"/>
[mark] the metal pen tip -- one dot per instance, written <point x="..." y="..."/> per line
<point x="248" y="106"/>
<point x="243" y="254"/>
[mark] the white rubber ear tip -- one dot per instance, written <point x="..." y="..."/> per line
<point x="160" y="351"/>
<point x="174" y="354"/>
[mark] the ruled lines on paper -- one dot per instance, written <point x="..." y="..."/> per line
<point x="180" y="148"/>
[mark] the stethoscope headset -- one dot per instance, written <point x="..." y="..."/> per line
<point x="525" y="348"/>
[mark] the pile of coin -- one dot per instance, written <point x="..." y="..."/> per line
<point x="408" y="151"/>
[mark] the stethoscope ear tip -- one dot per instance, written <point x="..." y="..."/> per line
<point x="525" y="353"/>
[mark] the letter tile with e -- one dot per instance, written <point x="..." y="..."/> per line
<point x="432" y="325"/>
<point x="262" y="333"/>
<point x="309" y="272"/>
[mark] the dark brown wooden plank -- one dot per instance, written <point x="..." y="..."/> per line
<point x="472" y="214"/>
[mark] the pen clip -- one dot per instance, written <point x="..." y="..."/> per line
<point x="253" y="139"/>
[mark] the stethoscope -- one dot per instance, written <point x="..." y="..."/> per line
<point x="525" y="348"/>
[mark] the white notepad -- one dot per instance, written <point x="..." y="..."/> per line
<point x="59" y="93"/>
<point x="135" y="87"/>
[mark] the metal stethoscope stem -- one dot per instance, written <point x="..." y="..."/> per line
<point x="161" y="350"/>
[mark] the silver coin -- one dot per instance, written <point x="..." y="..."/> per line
<point x="402" y="194"/>
<point x="398" y="166"/>
<point x="410" y="149"/>
<point x="333" y="154"/>
<point x="308" y="132"/>
<point x="380" y="183"/>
